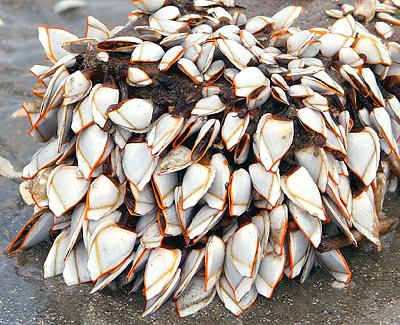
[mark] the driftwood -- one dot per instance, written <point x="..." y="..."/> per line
<point x="338" y="241"/>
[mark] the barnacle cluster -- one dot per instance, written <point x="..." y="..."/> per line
<point x="198" y="152"/>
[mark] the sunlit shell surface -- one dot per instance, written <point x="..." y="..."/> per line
<point x="197" y="153"/>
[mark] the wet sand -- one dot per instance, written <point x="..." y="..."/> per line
<point x="25" y="298"/>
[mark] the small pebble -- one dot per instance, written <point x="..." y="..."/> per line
<point x="7" y="169"/>
<point x="341" y="285"/>
<point x="338" y="285"/>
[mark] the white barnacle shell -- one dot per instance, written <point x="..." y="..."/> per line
<point x="284" y="19"/>
<point x="156" y="279"/>
<point x="168" y="27"/>
<point x="170" y="57"/>
<point x="206" y="55"/>
<point x="103" y="198"/>
<point x="65" y="188"/>
<point x="235" y="52"/>
<point x="313" y="120"/>
<point x="214" y="258"/>
<point x="137" y="77"/>
<point x="174" y="39"/>
<point x="76" y="87"/>
<point x="300" y="188"/>
<point x="191" y="126"/>
<point x="308" y="224"/>
<point x="54" y="91"/>
<point x="138" y="164"/>
<point x="82" y="116"/>
<point x="208" y="106"/>
<point x="248" y="80"/>
<point x="374" y="91"/>
<point x="163" y="132"/>
<point x="192" y="264"/>
<point x="259" y="24"/>
<point x="124" y="44"/>
<point x="96" y="29"/>
<point x="244" y="250"/>
<point x="197" y="180"/>
<point x="149" y="5"/>
<point x="54" y="264"/>
<point x="300" y="91"/>
<point x="384" y="30"/>
<point x="248" y="39"/>
<point x="344" y="26"/>
<point x="167" y="12"/>
<point x="364" y="163"/>
<point x="134" y="115"/>
<point x="259" y="96"/>
<point x="192" y="52"/>
<point x="266" y="183"/>
<point x="332" y="43"/>
<point x="386" y="17"/>
<point x="239" y="192"/>
<point x="336" y="264"/>
<point x="274" y="137"/>
<point x="382" y="122"/>
<point x="279" y="95"/>
<point x="203" y="221"/>
<point x="393" y="107"/>
<point x="316" y="162"/>
<point x="104" y="241"/>
<point x="230" y="74"/>
<point x="270" y="272"/>
<point x="351" y="75"/>
<point x="233" y="129"/>
<point x="206" y="137"/>
<point x="147" y="52"/>
<point x="214" y="71"/>
<point x="350" y="56"/>
<point x="164" y="186"/>
<point x="177" y="159"/>
<point x="298" y="248"/>
<point x="364" y="217"/>
<point x="144" y="201"/>
<point x="216" y="196"/>
<point x="334" y="13"/>
<point x="322" y="83"/>
<point x="93" y="146"/>
<point x="373" y="49"/>
<point x="100" y="98"/>
<point x="52" y="40"/>
<point x="189" y="68"/>
<point x="278" y="80"/>
<point x="242" y="149"/>
<point x="44" y="157"/>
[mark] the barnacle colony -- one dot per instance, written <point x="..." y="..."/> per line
<point x="198" y="153"/>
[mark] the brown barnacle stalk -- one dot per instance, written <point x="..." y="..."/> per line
<point x="169" y="87"/>
<point x="333" y="243"/>
<point x="395" y="165"/>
